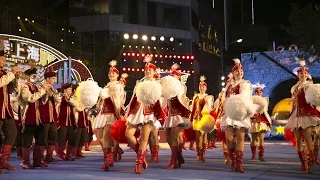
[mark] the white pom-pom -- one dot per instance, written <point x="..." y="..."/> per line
<point x="236" y="60"/>
<point x="88" y="93"/>
<point x="113" y="63"/>
<point x="148" y="92"/>
<point x="313" y="94"/>
<point x="261" y="103"/>
<point x="114" y="88"/>
<point x="171" y="87"/>
<point x="239" y="107"/>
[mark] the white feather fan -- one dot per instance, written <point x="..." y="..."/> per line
<point x="171" y="87"/>
<point x="88" y="93"/>
<point x="239" y="107"/>
<point x="261" y="103"/>
<point x="148" y="92"/>
<point x="313" y="94"/>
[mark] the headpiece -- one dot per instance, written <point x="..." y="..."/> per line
<point x="49" y="72"/>
<point x="202" y="79"/>
<point x="113" y="63"/>
<point x="123" y="78"/>
<point x="303" y="67"/>
<point x="157" y="75"/>
<point x="174" y="70"/>
<point x="237" y="65"/>
<point x="258" y="88"/>
<point x="149" y="65"/>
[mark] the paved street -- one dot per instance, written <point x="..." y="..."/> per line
<point x="281" y="162"/>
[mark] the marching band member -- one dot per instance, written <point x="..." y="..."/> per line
<point x="7" y="122"/>
<point x="48" y="115"/>
<point x="140" y="114"/>
<point x="110" y="112"/>
<point x="201" y="104"/>
<point x="32" y="126"/>
<point x="177" y="115"/>
<point x="67" y="125"/>
<point x="260" y="124"/>
<point x="303" y="118"/>
<point x="233" y="126"/>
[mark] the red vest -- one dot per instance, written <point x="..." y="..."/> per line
<point x="303" y="108"/>
<point x="33" y="111"/>
<point x="196" y="111"/>
<point x="176" y="108"/>
<point x="48" y="111"/>
<point x="233" y="90"/>
<point x="82" y="119"/>
<point x="66" y="116"/>
<point x="5" y="106"/>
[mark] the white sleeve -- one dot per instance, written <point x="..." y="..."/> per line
<point x="246" y="89"/>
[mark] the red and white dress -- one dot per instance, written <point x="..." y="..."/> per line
<point x="260" y="122"/>
<point x="237" y="87"/>
<point x="178" y="113"/>
<point x="140" y="114"/>
<point x="111" y="100"/>
<point x="303" y="115"/>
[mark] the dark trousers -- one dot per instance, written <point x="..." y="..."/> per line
<point x="81" y="137"/>
<point x="50" y="133"/>
<point x="18" y="142"/>
<point x="30" y="132"/>
<point x="9" y="129"/>
<point x="89" y="137"/>
<point x="65" y="134"/>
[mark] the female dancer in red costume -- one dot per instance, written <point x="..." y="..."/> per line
<point x="260" y="124"/>
<point x="235" y="130"/>
<point x="139" y="114"/>
<point x="110" y="112"/>
<point x="177" y="119"/>
<point x="303" y="118"/>
<point x="201" y="104"/>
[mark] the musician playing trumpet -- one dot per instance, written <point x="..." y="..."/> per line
<point x="32" y="126"/>
<point x="7" y="122"/>
<point x="49" y="115"/>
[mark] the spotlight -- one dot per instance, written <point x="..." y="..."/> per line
<point x="18" y="17"/>
<point x="20" y="30"/>
<point x="171" y="39"/>
<point x="223" y="89"/>
<point x="222" y="78"/>
<point x="72" y="42"/>
<point x="223" y="83"/>
<point x="61" y="40"/>
<point x="142" y="47"/>
<point x="126" y="36"/>
<point x="153" y="38"/>
<point x="32" y="32"/>
<point x="154" y="47"/>
<point x="73" y="32"/>
<point x="62" y="29"/>
<point x="130" y="46"/>
<point x="161" y="38"/>
<point x="148" y="47"/>
<point x="135" y="36"/>
<point x="144" y="37"/>
<point x="123" y="45"/>
<point x="32" y="21"/>
<point x="26" y="19"/>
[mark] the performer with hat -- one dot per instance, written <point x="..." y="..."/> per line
<point x="144" y="112"/>
<point x="236" y="126"/>
<point x="178" y="116"/>
<point x="260" y="124"/>
<point x="304" y="117"/>
<point x="32" y="125"/>
<point x="7" y="122"/>
<point x="201" y="104"/>
<point x="48" y="114"/>
<point x="110" y="111"/>
<point x="117" y="151"/>
<point x="67" y="125"/>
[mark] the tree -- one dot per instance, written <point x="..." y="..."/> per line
<point x="305" y="27"/>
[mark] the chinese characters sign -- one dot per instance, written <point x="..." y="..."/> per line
<point x="21" y="51"/>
